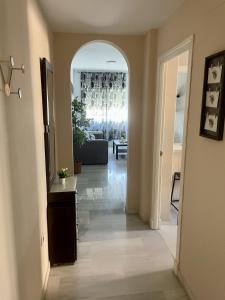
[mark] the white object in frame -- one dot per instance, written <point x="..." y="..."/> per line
<point x="212" y="99"/>
<point x="214" y="74"/>
<point x="211" y="122"/>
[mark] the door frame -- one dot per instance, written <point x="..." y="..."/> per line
<point x="186" y="45"/>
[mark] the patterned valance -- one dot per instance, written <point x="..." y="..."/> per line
<point x="105" y="96"/>
<point x="103" y="80"/>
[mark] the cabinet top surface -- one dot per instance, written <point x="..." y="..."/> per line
<point x="69" y="186"/>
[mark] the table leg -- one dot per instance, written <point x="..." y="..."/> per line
<point x="117" y="151"/>
<point x="113" y="147"/>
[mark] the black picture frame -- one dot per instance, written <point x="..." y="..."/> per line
<point x="213" y="102"/>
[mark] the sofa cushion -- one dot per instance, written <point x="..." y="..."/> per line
<point x="98" y="134"/>
<point x="92" y="152"/>
<point x="92" y="137"/>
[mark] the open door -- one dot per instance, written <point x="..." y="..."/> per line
<point x="170" y="123"/>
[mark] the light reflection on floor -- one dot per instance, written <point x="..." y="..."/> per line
<point x="101" y="192"/>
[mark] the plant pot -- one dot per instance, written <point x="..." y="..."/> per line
<point x="77" y="167"/>
<point x="62" y="180"/>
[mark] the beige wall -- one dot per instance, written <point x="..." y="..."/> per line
<point x="148" y="123"/>
<point x="8" y="274"/>
<point x="202" y="257"/>
<point x="65" y="47"/>
<point x="24" y="262"/>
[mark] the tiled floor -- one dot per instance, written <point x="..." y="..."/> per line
<point x="102" y="192"/>
<point x="168" y="229"/>
<point x="119" y="258"/>
<point x="169" y="235"/>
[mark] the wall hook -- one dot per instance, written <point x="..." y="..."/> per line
<point x="11" y="59"/>
<point x="7" y="84"/>
<point x="18" y="93"/>
<point x="22" y="69"/>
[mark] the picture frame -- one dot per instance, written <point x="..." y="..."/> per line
<point x="212" y="98"/>
<point x="213" y="102"/>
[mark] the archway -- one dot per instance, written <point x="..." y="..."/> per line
<point x="100" y="82"/>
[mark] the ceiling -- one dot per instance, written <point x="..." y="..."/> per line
<point x="95" y="56"/>
<point x="108" y="16"/>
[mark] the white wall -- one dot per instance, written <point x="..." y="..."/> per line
<point x="76" y="84"/>
<point x="99" y="56"/>
<point x="180" y="107"/>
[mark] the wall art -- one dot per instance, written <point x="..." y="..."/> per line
<point x="213" y="102"/>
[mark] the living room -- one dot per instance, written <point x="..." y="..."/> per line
<point x="99" y="81"/>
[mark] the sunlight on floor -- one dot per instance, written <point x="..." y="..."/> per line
<point x="119" y="258"/>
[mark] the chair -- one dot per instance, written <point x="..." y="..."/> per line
<point x="176" y="177"/>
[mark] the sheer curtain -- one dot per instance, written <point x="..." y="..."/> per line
<point x="106" y="99"/>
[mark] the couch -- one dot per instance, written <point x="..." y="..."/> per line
<point x="93" y="152"/>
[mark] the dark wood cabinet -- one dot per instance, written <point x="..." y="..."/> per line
<point x="62" y="234"/>
<point x="61" y="207"/>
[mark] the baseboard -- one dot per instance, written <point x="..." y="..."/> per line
<point x="44" y="289"/>
<point x="176" y="267"/>
<point x="131" y="211"/>
<point x="185" y="285"/>
<point x="153" y="225"/>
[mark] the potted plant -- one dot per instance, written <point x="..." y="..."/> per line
<point x="80" y="124"/>
<point x="63" y="174"/>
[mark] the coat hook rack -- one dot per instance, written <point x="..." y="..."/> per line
<point x="7" y="83"/>
<point x="18" y="93"/>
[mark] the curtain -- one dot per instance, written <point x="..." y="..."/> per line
<point x="106" y="99"/>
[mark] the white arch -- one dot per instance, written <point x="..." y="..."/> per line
<point x="123" y="54"/>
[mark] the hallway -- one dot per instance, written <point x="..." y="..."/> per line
<point x="119" y="258"/>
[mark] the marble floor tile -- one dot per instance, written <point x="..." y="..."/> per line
<point x="169" y="234"/>
<point x="118" y="256"/>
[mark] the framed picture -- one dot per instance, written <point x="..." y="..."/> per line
<point x="213" y="102"/>
<point x="212" y="98"/>
<point x="211" y="122"/>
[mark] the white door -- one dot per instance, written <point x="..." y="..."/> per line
<point x="163" y="130"/>
<point x="169" y="94"/>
